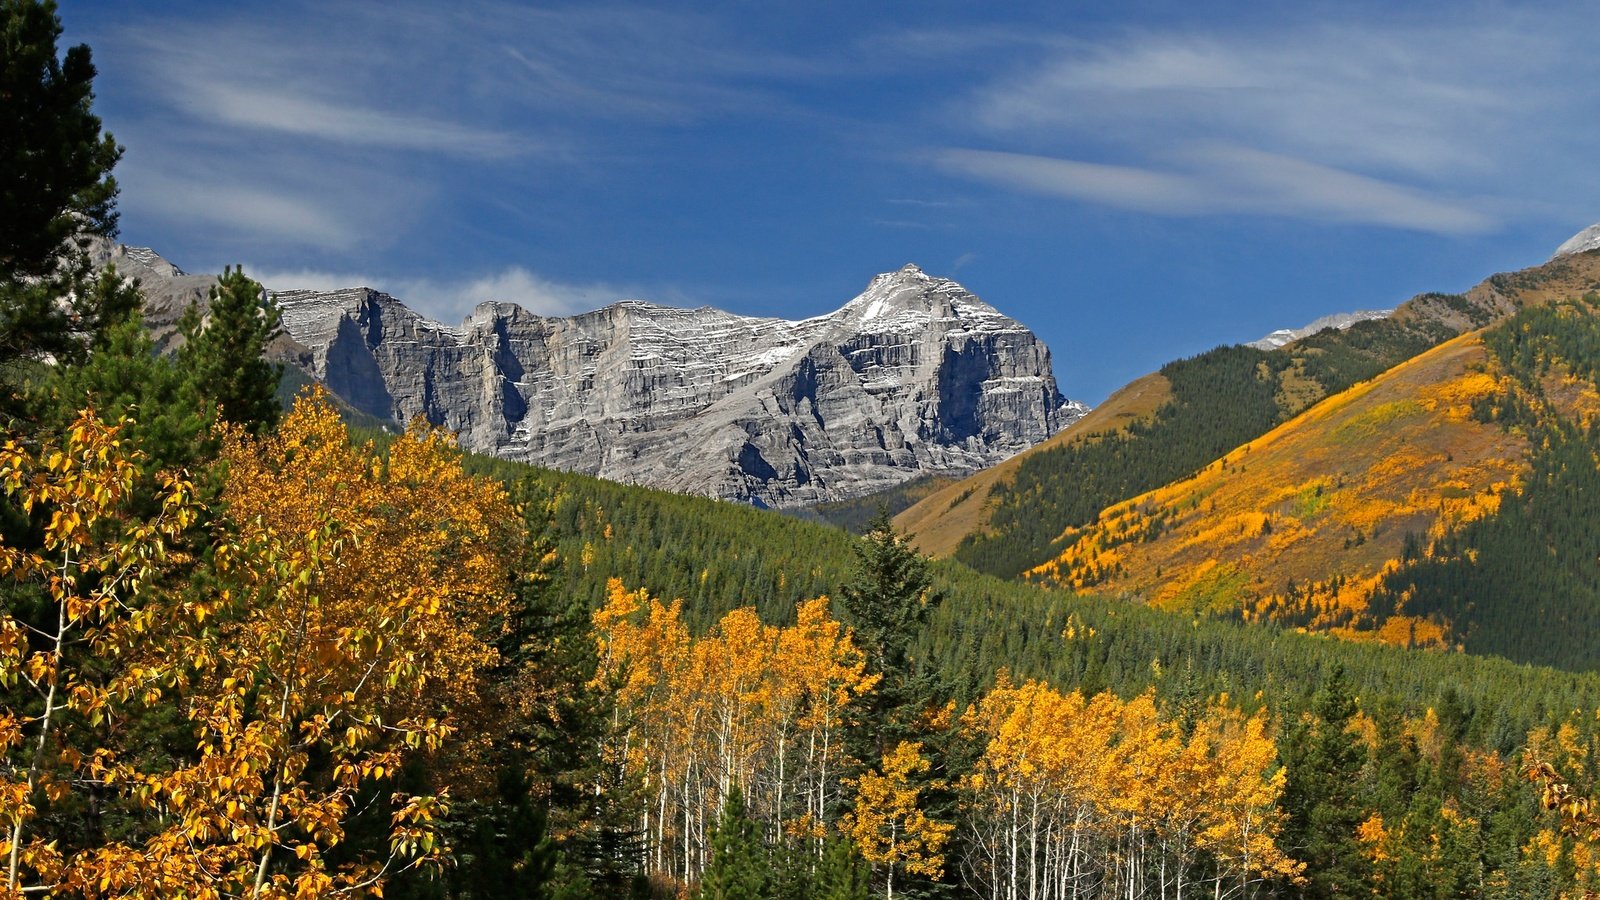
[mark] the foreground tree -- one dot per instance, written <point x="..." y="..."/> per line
<point x="222" y="353"/>
<point x="887" y="822"/>
<point x="124" y="376"/>
<point x="739" y="868"/>
<point x="56" y="191"/>
<point x="1324" y="763"/>
<point x="85" y="584"/>
<point x="887" y="602"/>
<point x="337" y="634"/>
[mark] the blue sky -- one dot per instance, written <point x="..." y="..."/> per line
<point x="1136" y="181"/>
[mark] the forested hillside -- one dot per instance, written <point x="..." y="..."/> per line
<point x="1442" y="504"/>
<point x="1523" y="582"/>
<point x="1218" y="401"/>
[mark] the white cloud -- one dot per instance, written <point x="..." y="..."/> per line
<point x="341" y="122"/>
<point x="450" y="301"/>
<point x="1126" y="187"/>
<point x="272" y="215"/>
<point x="1403" y="98"/>
<point x="1220" y="179"/>
<point x="1392" y="120"/>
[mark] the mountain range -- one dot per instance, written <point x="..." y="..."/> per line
<point x="914" y="376"/>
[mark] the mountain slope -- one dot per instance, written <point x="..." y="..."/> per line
<point x="916" y="376"/>
<point x="1453" y="501"/>
<point x="1014" y="518"/>
<point x="717" y="556"/>
<point x="1334" y="491"/>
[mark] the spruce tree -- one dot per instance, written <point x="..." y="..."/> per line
<point x="841" y="873"/>
<point x="222" y="352"/>
<point x="739" y="868"/>
<point x="887" y="603"/>
<point x="125" y="376"/>
<point x="1323" y="795"/>
<point x="56" y="192"/>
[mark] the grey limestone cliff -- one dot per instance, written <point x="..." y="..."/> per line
<point x="916" y="375"/>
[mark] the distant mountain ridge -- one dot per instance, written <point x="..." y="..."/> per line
<point x="1340" y="321"/>
<point x="1424" y="479"/>
<point x="914" y="376"/>
<point x="1007" y="519"/>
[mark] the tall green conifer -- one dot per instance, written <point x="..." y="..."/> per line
<point x="739" y="867"/>
<point x="222" y="352"/>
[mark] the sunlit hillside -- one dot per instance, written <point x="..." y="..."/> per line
<point x="1321" y="522"/>
<point x="1168" y="425"/>
<point x="1310" y="514"/>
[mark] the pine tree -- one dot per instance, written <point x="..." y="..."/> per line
<point x="887" y="603"/>
<point x="57" y="181"/>
<point x="1323" y="795"/>
<point x="56" y="191"/>
<point x="125" y="376"/>
<point x="222" y="352"/>
<point x="841" y="873"/>
<point x="739" y="869"/>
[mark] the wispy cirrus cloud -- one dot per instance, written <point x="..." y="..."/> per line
<point x="302" y="110"/>
<point x="266" y="109"/>
<point x="1417" y="123"/>
<point x="1225" y="180"/>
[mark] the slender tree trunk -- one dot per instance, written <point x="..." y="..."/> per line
<point x="277" y="795"/>
<point x="46" y="722"/>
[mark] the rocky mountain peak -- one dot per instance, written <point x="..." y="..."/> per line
<point x="915" y="375"/>
<point x="1585" y="240"/>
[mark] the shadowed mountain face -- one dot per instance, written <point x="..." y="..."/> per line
<point x="915" y="376"/>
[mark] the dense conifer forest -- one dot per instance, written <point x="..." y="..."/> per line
<point x="1523" y="583"/>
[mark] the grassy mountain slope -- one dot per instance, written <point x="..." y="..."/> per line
<point x="1367" y="515"/>
<point x="1010" y="519"/>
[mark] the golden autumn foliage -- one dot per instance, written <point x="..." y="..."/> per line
<point x="887" y="823"/>
<point x="347" y="627"/>
<point x="1301" y="524"/>
<point x="95" y="567"/>
<point x="1073" y="793"/>
<point x="752" y="705"/>
<point x="334" y="635"/>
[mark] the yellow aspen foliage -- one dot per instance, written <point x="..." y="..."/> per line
<point x="751" y="705"/>
<point x="342" y="632"/>
<point x="1072" y="792"/>
<point x="95" y="568"/>
<point x="887" y="823"/>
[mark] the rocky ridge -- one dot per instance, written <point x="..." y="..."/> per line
<point x="1340" y="321"/>
<point x="1582" y="242"/>
<point x="914" y="376"/>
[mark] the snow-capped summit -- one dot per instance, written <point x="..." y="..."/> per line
<point x="1587" y="239"/>
<point x="1340" y="321"/>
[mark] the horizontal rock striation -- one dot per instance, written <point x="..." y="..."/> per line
<point x="914" y="376"/>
